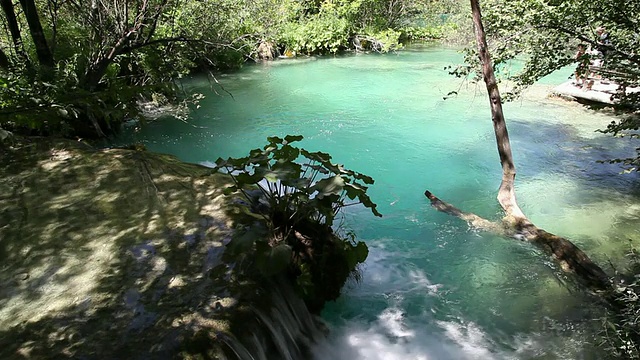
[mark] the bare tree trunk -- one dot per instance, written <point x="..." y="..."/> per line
<point x="515" y="224"/>
<point x="14" y="29"/>
<point x="506" y="193"/>
<point x="568" y="256"/>
<point x="45" y="57"/>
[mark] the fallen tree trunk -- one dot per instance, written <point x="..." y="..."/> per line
<point x="515" y="223"/>
<point x="568" y="256"/>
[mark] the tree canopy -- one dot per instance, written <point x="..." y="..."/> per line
<point x="79" y="67"/>
<point x="545" y="34"/>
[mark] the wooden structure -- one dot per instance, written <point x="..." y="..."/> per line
<point x="601" y="90"/>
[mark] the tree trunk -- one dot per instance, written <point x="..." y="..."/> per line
<point x="568" y="256"/>
<point x="4" y="60"/>
<point x="14" y="29"/>
<point x="45" y="57"/>
<point x="515" y="224"/>
<point x="95" y="72"/>
<point x="506" y="193"/>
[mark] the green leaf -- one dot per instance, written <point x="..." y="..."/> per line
<point x="271" y="176"/>
<point x="221" y="162"/>
<point x="268" y="149"/>
<point x="230" y="190"/>
<point x="361" y="251"/>
<point x="255" y="153"/>
<point x="242" y="241"/>
<point x="287" y="171"/>
<point x="318" y="168"/>
<point x="353" y="191"/>
<point x="4" y="134"/>
<point x="239" y="163"/>
<point x="329" y="186"/>
<point x="244" y="178"/>
<point x="316" y="156"/>
<point x="366" y="179"/>
<point x="274" y="140"/>
<point x="366" y="201"/>
<point x="297" y="183"/>
<point x="286" y="153"/>
<point x="292" y="138"/>
<point x="356" y="254"/>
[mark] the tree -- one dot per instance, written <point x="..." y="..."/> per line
<point x="4" y="60"/>
<point x="108" y="56"/>
<point x="545" y="34"/>
<point x="45" y="57"/>
<point x="79" y="68"/>
<point x="14" y="29"/>
<point x="515" y="224"/>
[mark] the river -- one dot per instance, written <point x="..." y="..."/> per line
<point x="431" y="287"/>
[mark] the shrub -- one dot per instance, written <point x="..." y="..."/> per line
<point x="318" y="34"/>
<point x="294" y="205"/>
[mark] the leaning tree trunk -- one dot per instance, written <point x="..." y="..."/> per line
<point x="4" y="60"/>
<point x="515" y="224"/>
<point x="14" y="29"/>
<point x="45" y="57"/>
<point x="506" y="193"/>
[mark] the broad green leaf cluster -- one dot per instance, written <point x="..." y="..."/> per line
<point x="294" y="196"/>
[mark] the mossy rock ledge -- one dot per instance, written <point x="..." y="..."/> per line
<point x="117" y="254"/>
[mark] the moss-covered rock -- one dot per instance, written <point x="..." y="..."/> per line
<point x="118" y="254"/>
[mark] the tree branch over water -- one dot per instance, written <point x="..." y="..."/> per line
<point x="567" y="255"/>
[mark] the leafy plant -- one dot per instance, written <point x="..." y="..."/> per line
<point x="620" y="331"/>
<point x="316" y="189"/>
<point x="320" y="33"/>
<point x="294" y="195"/>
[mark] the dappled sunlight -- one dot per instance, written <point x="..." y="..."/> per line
<point x="94" y="241"/>
<point x="605" y="224"/>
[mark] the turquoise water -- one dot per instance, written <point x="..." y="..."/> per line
<point x="432" y="288"/>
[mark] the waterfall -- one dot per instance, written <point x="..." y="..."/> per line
<point x="281" y="327"/>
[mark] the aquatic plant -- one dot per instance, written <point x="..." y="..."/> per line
<point x="294" y="196"/>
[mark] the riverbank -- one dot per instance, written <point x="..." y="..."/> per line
<point x="119" y="254"/>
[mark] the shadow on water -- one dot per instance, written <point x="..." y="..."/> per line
<point x="118" y="254"/>
<point x="569" y="153"/>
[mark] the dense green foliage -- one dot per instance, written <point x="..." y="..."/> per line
<point x="294" y="195"/>
<point x="545" y="34"/>
<point x="79" y="68"/>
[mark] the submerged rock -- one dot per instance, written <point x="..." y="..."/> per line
<point x="118" y="254"/>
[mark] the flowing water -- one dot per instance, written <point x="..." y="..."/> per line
<point x="431" y="287"/>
